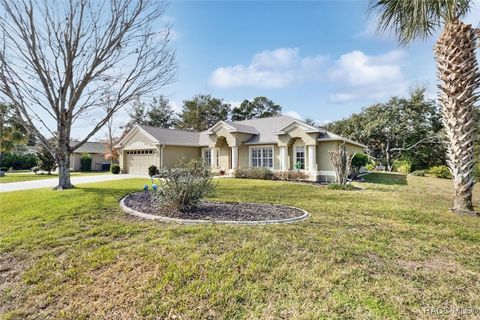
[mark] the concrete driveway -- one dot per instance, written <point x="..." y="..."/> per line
<point x="50" y="183"/>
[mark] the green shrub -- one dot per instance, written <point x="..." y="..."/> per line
<point x="359" y="160"/>
<point x="290" y="176"/>
<point x="370" y="167"/>
<point x="115" y="168"/>
<point x="46" y="161"/>
<point x="440" y="172"/>
<point x="402" y="166"/>
<point x="86" y="162"/>
<point x="18" y="161"/>
<point x="184" y="186"/>
<point x="254" y="173"/>
<point x="153" y="170"/>
<point x="336" y="186"/>
<point x="418" y="173"/>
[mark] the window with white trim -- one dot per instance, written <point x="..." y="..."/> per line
<point x="207" y="156"/>
<point x="300" y="156"/>
<point x="261" y="157"/>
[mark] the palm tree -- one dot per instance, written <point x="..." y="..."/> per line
<point x="457" y="71"/>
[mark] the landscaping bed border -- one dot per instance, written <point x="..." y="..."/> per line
<point x="148" y="216"/>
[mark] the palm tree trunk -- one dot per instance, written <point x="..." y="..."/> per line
<point x="459" y="77"/>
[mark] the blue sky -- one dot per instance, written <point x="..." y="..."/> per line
<point x="317" y="59"/>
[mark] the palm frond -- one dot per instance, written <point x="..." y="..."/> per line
<point x="413" y="19"/>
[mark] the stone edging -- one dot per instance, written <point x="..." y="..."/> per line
<point x="148" y="216"/>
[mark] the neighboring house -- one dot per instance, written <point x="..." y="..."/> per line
<point x="95" y="149"/>
<point x="276" y="143"/>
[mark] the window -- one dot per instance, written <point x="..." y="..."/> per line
<point x="261" y="157"/>
<point x="300" y="156"/>
<point x="207" y="156"/>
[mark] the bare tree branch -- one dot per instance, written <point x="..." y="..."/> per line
<point x="60" y="62"/>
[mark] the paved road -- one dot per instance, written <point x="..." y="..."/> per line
<point x="50" y="183"/>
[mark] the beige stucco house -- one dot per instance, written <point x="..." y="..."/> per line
<point x="96" y="150"/>
<point x="277" y="143"/>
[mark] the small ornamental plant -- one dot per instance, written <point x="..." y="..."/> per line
<point x="298" y="166"/>
<point x="115" y="168"/>
<point x="185" y="186"/>
<point x="153" y="170"/>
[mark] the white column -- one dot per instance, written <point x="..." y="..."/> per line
<point x="312" y="158"/>
<point x="234" y="158"/>
<point x="284" y="158"/>
<point x="213" y="157"/>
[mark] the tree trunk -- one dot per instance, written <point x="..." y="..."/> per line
<point x="63" y="159"/>
<point x="64" y="173"/>
<point x="388" y="157"/>
<point x="459" y="78"/>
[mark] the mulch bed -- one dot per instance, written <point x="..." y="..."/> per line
<point x="219" y="211"/>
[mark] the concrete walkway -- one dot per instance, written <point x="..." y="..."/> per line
<point x="50" y="183"/>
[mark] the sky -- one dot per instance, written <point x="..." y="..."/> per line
<point x="318" y="59"/>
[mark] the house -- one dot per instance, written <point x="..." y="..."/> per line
<point x="277" y="143"/>
<point x="96" y="150"/>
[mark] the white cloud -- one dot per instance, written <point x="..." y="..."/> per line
<point x="293" y="114"/>
<point x="270" y="69"/>
<point x="166" y="19"/>
<point x="354" y="75"/>
<point x="234" y="104"/>
<point x="358" y="69"/>
<point x="362" y="76"/>
<point x="177" y="107"/>
<point x="369" y="30"/>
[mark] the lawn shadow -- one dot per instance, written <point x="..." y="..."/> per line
<point x="386" y="178"/>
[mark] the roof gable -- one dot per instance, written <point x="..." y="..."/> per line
<point x="132" y="132"/>
<point x="298" y="124"/>
<point x="232" y="127"/>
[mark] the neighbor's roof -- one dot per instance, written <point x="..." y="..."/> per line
<point x="89" y="147"/>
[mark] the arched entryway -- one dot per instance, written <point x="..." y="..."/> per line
<point x="223" y="155"/>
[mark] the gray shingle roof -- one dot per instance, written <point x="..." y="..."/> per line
<point x="242" y="128"/>
<point x="263" y="132"/>
<point x="173" y="136"/>
<point x="266" y="128"/>
<point x="330" y="136"/>
<point x="89" y="147"/>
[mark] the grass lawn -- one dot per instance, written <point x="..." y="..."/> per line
<point x="30" y="176"/>
<point x="383" y="253"/>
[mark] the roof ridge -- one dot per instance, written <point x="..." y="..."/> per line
<point x="170" y="129"/>
<point x="282" y="116"/>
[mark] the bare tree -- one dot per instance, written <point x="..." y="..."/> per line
<point x="342" y="165"/>
<point x="58" y="61"/>
<point x="111" y="153"/>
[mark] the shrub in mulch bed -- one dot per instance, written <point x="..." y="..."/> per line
<point x="220" y="211"/>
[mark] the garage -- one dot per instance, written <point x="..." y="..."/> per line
<point x="138" y="161"/>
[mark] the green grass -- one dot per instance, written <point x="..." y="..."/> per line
<point x="382" y="253"/>
<point x="30" y="176"/>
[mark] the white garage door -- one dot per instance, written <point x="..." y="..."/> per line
<point x="138" y="161"/>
